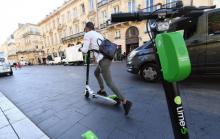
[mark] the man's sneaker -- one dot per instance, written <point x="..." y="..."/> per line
<point x="127" y="106"/>
<point x="102" y="93"/>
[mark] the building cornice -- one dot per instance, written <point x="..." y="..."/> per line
<point x="57" y="11"/>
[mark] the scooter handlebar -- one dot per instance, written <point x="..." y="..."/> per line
<point x="169" y="12"/>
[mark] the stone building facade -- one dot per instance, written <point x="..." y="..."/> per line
<point x="64" y="26"/>
<point x="29" y="43"/>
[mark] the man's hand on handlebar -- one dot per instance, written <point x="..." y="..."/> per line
<point x="79" y="50"/>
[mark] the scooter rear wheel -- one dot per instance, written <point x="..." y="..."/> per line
<point x="118" y="102"/>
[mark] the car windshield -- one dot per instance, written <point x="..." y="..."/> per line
<point x="144" y="46"/>
<point x="2" y="59"/>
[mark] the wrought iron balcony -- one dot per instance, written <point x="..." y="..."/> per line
<point x="68" y="38"/>
<point x="101" y="3"/>
<point x="103" y="25"/>
<point x="31" y="33"/>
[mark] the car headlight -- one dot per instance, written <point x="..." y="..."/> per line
<point x="132" y="54"/>
<point x="163" y="26"/>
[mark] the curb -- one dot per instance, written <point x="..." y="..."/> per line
<point x="15" y="123"/>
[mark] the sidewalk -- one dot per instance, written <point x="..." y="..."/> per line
<point x="14" y="124"/>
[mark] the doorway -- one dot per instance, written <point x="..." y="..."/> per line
<point x="132" y="39"/>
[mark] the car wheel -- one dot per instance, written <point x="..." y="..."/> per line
<point x="149" y="72"/>
<point x="11" y="73"/>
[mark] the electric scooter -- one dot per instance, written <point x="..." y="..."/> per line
<point x="170" y="51"/>
<point x="113" y="99"/>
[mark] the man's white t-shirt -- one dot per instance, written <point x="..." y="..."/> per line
<point x="90" y="42"/>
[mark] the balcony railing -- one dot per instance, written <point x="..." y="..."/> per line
<point x="101" y="3"/>
<point x="31" y="33"/>
<point x="29" y="51"/>
<point x="77" y="35"/>
<point x="105" y="24"/>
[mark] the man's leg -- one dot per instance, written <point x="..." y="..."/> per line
<point x="98" y="77"/>
<point x="106" y="73"/>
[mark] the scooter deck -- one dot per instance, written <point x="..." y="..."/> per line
<point x="107" y="98"/>
<point x="90" y="92"/>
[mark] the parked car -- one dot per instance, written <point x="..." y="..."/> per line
<point x="5" y="68"/>
<point x="53" y="61"/>
<point x="202" y="37"/>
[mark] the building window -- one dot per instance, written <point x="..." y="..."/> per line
<point x="54" y="24"/>
<point x="150" y="3"/>
<point x="104" y="16"/>
<point x="51" y="25"/>
<point x="64" y="33"/>
<point x="48" y="27"/>
<point x="55" y="38"/>
<point x="131" y="6"/>
<point x="170" y="1"/>
<point x="68" y="15"/>
<point x="76" y="28"/>
<point x="82" y="9"/>
<point x="52" y="39"/>
<point x="75" y="12"/>
<point x="83" y="25"/>
<point x="58" y="21"/>
<point x="91" y="5"/>
<point x="70" y="31"/>
<point x="47" y="41"/>
<point x="63" y="18"/>
<point x="58" y="38"/>
<point x="116" y="9"/>
<point x="34" y="30"/>
<point x="45" y="29"/>
<point x="118" y="34"/>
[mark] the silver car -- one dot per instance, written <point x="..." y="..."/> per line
<point x="5" y="68"/>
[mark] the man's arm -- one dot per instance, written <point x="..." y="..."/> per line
<point x="86" y="44"/>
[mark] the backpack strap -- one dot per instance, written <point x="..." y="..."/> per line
<point x="99" y="40"/>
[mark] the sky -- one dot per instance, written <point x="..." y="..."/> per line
<point x="13" y="12"/>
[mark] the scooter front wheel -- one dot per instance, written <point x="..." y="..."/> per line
<point x="86" y="94"/>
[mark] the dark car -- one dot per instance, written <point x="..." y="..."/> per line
<point x="202" y="37"/>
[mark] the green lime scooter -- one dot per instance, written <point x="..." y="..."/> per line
<point x="171" y="53"/>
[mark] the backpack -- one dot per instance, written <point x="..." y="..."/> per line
<point x="107" y="48"/>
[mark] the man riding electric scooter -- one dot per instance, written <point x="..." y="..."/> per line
<point x="90" y="43"/>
